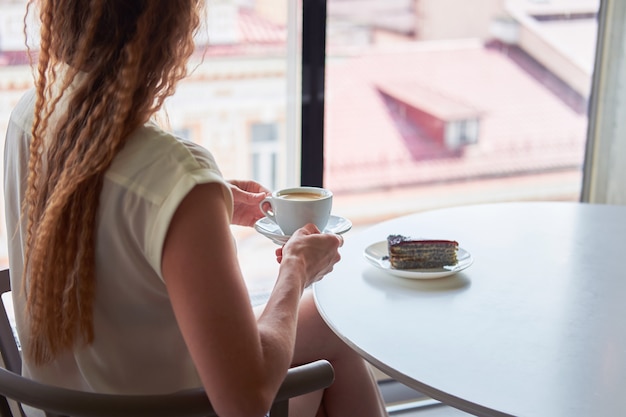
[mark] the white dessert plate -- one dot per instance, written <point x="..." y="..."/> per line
<point x="269" y="229"/>
<point x="378" y="255"/>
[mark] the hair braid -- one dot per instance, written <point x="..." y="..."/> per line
<point x="115" y="62"/>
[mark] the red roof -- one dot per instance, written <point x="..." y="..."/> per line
<point x="254" y="29"/>
<point x="524" y="125"/>
<point x="431" y="101"/>
<point x="255" y="36"/>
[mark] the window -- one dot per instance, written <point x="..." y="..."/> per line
<point x="461" y="132"/>
<point x="265" y="154"/>
<point x="425" y="108"/>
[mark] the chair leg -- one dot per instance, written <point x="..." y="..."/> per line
<point x="5" y="409"/>
<point x="280" y="409"/>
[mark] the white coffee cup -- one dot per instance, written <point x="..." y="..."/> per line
<point x="292" y="208"/>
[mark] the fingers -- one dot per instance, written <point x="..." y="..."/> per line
<point x="279" y="254"/>
<point x="248" y="197"/>
<point x="319" y="250"/>
<point x="250" y="186"/>
<point x="311" y="229"/>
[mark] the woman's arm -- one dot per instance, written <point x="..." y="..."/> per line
<point x="241" y="362"/>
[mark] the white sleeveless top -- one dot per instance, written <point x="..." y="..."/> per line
<point x="138" y="348"/>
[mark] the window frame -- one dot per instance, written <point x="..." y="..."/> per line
<point x="604" y="173"/>
<point x="313" y="78"/>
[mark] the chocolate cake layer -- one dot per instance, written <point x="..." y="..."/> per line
<point x="407" y="253"/>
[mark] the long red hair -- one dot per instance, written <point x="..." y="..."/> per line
<point x="127" y="56"/>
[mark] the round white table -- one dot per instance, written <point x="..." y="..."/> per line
<point x="536" y="326"/>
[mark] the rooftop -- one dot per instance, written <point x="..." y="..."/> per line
<point x="529" y="121"/>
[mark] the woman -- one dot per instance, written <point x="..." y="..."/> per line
<point x="120" y="232"/>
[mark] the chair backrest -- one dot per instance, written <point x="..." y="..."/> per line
<point x="8" y="346"/>
<point x="9" y="351"/>
<point x="58" y="402"/>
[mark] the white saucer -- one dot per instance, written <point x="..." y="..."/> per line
<point x="377" y="254"/>
<point x="269" y="229"/>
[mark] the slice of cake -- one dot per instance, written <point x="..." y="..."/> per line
<point x="407" y="253"/>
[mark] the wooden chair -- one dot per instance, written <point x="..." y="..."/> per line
<point x="58" y="402"/>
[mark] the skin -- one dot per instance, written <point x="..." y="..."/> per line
<point x="243" y="367"/>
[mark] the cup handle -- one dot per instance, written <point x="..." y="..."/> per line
<point x="268" y="212"/>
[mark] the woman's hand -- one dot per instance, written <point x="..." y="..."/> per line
<point x="316" y="252"/>
<point x="246" y="196"/>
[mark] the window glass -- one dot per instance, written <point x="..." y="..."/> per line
<point x="265" y="150"/>
<point x="426" y="108"/>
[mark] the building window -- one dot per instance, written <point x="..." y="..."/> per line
<point x="264" y="148"/>
<point x="461" y="132"/>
